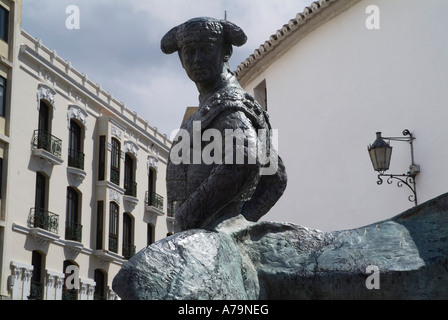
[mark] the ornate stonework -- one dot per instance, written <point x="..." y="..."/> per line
<point x="131" y="147"/>
<point x="75" y="112"/>
<point x="152" y="163"/>
<point x="115" y="131"/>
<point x="114" y="196"/>
<point x="45" y="93"/>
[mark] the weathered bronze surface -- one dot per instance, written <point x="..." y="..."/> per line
<point x="203" y="193"/>
<point x="405" y="257"/>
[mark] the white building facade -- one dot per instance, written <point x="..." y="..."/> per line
<point x="83" y="178"/>
<point x="331" y="78"/>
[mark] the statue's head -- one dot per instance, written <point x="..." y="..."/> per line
<point x="204" y="46"/>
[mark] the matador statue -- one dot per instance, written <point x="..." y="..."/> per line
<point x="203" y="194"/>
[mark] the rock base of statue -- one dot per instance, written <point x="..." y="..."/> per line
<point x="405" y="257"/>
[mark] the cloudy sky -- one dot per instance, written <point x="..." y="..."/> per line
<point x="118" y="44"/>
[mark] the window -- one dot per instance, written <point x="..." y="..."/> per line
<point x="102" y="159"/>
<point x="153" y="199"/>
<point x="128" y="247"/>
<point x="150" y="234"/>
<point x="4" y="24"/>
<point x="99" y="225"/>
<point x="100" y="279"/>
<point x="130" y="185"/>
<point x="75" y="154"/>
<point x="44" y="117"/>
<point x="40" y="217"/>
<point x="113" y="227"/>
<point x="261" y="95"/>
<point x="44" y="134"/>
<point x="115" y="162"/>
<point x="73" y="228"/>
<point x="40" y="202"/>
<point x="2" y="96"/>
<point x="37" y="286"/>
<point x="151" y="182"/>
<point x="42" y="137"/>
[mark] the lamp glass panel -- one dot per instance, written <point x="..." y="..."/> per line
<point x="380" y="157"/>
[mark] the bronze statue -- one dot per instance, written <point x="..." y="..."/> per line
<point x="203" y="193"/>
<point x="222" y="189"/>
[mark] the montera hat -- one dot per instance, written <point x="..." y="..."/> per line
<point x="202" y="29"/>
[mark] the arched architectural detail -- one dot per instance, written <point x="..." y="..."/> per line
<point x="115" y="196"/>
<point x="44" y="92"/>
<point x="153" y="162"/>
<point x="75" y="112"/>
<point x="115" y="131"/>
<point x="132" y="148"/>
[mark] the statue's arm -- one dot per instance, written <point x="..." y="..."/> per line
<point x="228" y="183"/>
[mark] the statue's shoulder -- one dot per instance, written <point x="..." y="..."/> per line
<point x="233" y="99"/>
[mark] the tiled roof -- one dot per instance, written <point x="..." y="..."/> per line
<point x="285" y="32"/>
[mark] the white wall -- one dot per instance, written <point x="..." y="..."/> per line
<point x="339" y="85"/>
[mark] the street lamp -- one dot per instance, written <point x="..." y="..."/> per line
<point x="380" y="153"/>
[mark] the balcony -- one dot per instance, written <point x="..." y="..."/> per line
<point x="47" y="147"/>
<point x="154" y="203"/>
<point x="75" y="169"/>
<point x="154" y="200"/>
<point x="171" y="210"/>
<point x="113" y="243"/>
<point x="128" y="250"/>
<point x="69" y="294"/>
<point x="115" y="175"/>
<point x="76" y="159"/>
<point x="130" y="188"/>
<point x="44" y="219"/>
<point x="73" y="232"/>
<point x="36" y="291"/>
<point x="130" y="195"/>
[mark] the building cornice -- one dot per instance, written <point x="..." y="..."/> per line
<point x="318" y="13"/>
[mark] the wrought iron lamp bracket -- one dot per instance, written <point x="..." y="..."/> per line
<point x="408" y="137"/>
<point x="404" y="179"/>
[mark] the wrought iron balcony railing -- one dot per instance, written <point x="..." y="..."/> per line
<point x="45" y="141"/>
<point x="115" y="175"/>
<point x="128" y="250"/>
<point x="69" y="294"/>
<point x="76" y="159"/>
<point x="113" y="243"/>
<point x="154" y="200"/>
<point x="130" y="188"/>
<point x="73" y="231"/>
<point x="44" y="219"/>
<point x="36" y="290"/>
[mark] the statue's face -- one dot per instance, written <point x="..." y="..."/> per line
<point x="203" y="61"/>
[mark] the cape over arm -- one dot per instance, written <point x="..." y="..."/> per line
<point x="230" y="183"/>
